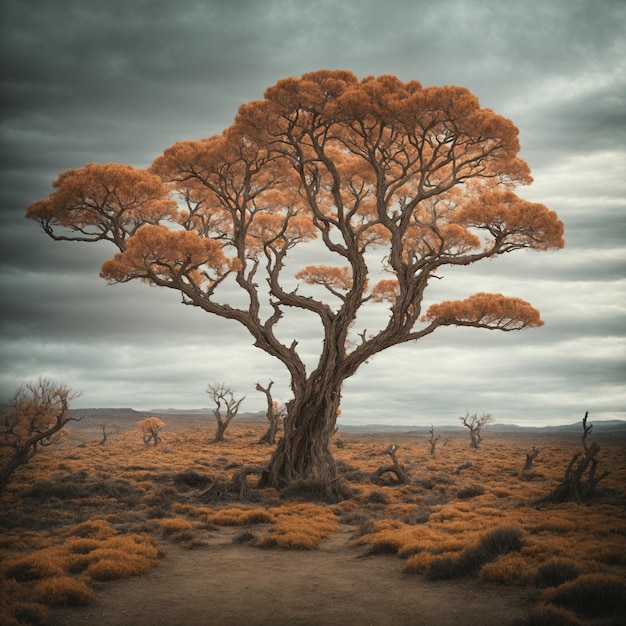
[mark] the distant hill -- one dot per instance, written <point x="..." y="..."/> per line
<point x="604" y="427"/>
<point x="92" y="415"/>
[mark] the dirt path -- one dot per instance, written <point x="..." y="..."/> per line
<point x="238" y="585"/>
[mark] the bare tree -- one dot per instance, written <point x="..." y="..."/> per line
<point x="37" y="415"/>
<point x="105" y="436"/>
<point x="574" y="487"/>
<point x="274" y="414"/>
<point x="530" y="457"/>
<point x="223" y="396"/>
<point x="402" y="477"/>
<point x="433" y="439"/>
<point x="475" y="423"/>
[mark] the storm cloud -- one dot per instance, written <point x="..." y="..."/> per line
<point x="120" y="81"/>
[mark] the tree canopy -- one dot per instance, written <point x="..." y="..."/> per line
<point x="393" y="182"/>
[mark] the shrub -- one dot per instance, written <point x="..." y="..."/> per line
<point x="244" y="537"/>
<point x="162" y="498"/>
<point x="300" y="526"/>
<point x="117" y="566"/>
<point x="470" y="492"/>
<point x="174" y="525"/>
<point x="16" y="609"/>
<point x="442" y="568"/>
<point x="81" y="546"/>
<point x="37" y="565"/>
<point x="191" y="478"/>
<point x="377" y="497"/>
<point x="118" y="557"/>
<point x="499" y="541"/>
<point x="70" y="487"/>
<point x="550" y="615"/>
<point x="63" y="591"/>
<point x="93" y="529"/>
<point x="555" y="572"/>
<point x="591" y="594"/>
<point x="418" y="563"/>
<point x="509" y="569"/>
<point x="240" y="517"/>
<point x="22" y="613"/>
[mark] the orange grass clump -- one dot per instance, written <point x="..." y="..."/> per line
<point x="174" y="525"/>
<point x="237" y="516"/>
<point x="300" y="526"/>
<point x="62" y="591"/>
<point x="40" y="564"/>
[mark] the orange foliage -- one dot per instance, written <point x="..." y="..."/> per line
<point x="386" y="290"/>
<point x="108" y="201"/>
<point x="162" y="256"/>
<point x="330" y="277"/>
<point x="150" y="424"/>
<point x="513" y="220"/>
<point x="485" y="310"/>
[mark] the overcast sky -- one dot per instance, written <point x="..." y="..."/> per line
<point x="120" y="81"/>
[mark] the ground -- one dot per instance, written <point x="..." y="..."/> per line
<point x="124" y="534"/>
<point x="234" y="585"/>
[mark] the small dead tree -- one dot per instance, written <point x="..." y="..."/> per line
<point x="274" y="414"/>
<point x="401" y="475"/>
<point x="223" y="396"/>
<point x="36" y="418"/>
<point x="150" y="429"/>
<point x="105" y="435"/>
<point x="433" y="439"/>
<point x="575" y="487"/>
<point x="530" y="457"/>
<point x="237" y="488"/>
<point x="475" y="423"/>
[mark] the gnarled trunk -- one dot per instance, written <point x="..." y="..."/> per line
<point x="303" y="458"/>
<point x="269" y="436"/>
<point x="219" y="431"/>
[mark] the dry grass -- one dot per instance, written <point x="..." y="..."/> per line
<point x="82" y="514"/>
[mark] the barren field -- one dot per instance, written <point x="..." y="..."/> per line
<point x="126" y="534"/>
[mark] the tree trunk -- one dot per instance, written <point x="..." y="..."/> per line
<point x="20" y="457"/>
<point x="573" y="488"/>
<point x="219" y="432"/>
<point x="475" y="438"/>
<point x="272" y="415"/>
<point x="269" y="437"/>
<point x="530" y="457"/>
<point x="303" y="458"/>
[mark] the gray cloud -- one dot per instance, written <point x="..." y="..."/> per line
<point x="121" y="81"/>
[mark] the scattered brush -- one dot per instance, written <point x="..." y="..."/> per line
<point x="591" y="594"/>
<point x="555" y="572"/>
<point x="544" y="614"/>
<point x="63" y="591"/>
<point x="472" y="491"/>
<point x="299" y="526"/>
<point x="469" y="561"/>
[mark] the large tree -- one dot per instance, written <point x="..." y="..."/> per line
<point x="386" y="176"/>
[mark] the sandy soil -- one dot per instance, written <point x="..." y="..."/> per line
<point x="228" y="584"/>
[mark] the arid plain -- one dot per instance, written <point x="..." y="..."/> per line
<point x="124" y="533"/>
